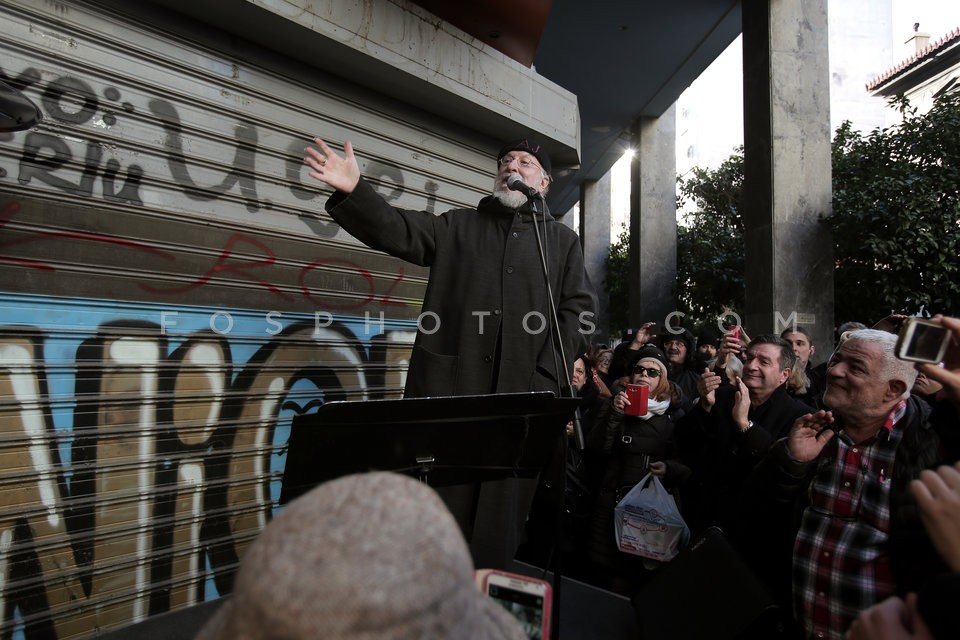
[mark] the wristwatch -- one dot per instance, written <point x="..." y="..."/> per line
<point x="749" y="425"/>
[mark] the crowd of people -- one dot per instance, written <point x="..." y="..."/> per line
<point x="833" y="482"/>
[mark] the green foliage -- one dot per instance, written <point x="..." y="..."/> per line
<point x="710" y="266"/>
<point x="618" y="282"/>
<point x="896" y="214"/>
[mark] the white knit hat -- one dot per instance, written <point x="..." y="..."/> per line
<point x="366" y="556"/>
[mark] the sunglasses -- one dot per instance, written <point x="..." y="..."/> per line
<point x="652" y="372"/>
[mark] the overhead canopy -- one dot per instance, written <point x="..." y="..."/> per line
<point x="624" y="60"/>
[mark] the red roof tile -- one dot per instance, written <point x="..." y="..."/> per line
<point x="929" y="51"/>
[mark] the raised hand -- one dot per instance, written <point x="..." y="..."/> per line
<point x="620" y="402"/>
<point x="341" y="173"/>
<point x="809" y="435"/>
<point x="741" y="405"/>
<point x="731" y="343"/>
<point x="707" y="386"/>
<point x="644" y="334"/>
<point x="938" y="496"/>
<point x="949" y="374"/>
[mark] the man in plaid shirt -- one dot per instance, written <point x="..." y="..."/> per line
<point x="860" y="539"/>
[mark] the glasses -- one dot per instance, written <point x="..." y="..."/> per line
<point x="652" y="372"/>
<point x="525" y="163"/>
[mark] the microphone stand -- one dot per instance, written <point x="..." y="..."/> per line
<point x="555" y="335"/>
<point x="557" y="340"/>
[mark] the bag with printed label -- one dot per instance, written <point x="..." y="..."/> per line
<point x="648" y="523"/>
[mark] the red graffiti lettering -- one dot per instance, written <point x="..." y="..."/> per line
<point x="224" y="265"/>
<point x="231" y="260"/>
<point x="13" y="208"/>
<point x="334" y="261"/>
<point x="385" y="300"/>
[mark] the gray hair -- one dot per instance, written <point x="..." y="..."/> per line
<point x="892" y="368"/>
<point x="734" y="368"/>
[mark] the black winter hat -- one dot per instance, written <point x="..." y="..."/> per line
<point x="532" y="147"/>
<point x="708" y="335"/>
<point x="684" y="335"/>
<point x="646" y="351"/>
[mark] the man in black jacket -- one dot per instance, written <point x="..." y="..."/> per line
<point x="491" y="311"/>
<point x="730" y="429"/>
<point x="804" y="349"/>
<point x="678" y="345"/>
<point x="493" y="314"/>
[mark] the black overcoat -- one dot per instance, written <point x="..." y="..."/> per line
<point x="487" y="290"/>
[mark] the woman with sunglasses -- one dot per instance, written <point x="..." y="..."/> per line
<point x="635" y="445"/>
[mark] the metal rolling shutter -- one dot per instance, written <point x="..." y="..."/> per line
<point x="172" y="294"/>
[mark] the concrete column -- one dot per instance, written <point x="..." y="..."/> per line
<point x="653" y="219"/>
<point x="789" y="255"/>
<point x="595" y="236"/>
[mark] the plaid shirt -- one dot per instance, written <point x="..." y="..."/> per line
<point x="841" y="561"/>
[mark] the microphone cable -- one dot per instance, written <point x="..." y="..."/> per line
<point x="556" y="337"/>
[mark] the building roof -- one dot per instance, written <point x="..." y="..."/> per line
<point x="923" y="58"/>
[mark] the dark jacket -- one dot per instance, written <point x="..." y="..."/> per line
<point x="632" y="444"/>
<point x="937" y="604"/>
<point x="484" y="267"/>
<point x="722" y="457"/>
<point x="686" y="382"/>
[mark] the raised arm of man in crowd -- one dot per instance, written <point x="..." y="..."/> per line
<point x="930" y="615"/>
<point x="946" y="413"/>
<point x="948" y="373"/>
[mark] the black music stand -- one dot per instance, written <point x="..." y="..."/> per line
<point x="446" y="442"/>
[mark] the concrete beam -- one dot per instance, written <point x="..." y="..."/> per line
<point x="653" y="219"/>
<point x="595" y="208"/>
<point x="397" y="48"/>
<point x="787" y="168"/>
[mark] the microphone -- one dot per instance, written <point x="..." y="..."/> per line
<point x="516" y="183"/>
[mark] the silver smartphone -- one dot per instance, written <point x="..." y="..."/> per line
<point x="922" y="340"/>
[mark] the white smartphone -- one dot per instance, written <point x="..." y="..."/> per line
<point x="528" y="599"/>
<point x="921" y="340"/>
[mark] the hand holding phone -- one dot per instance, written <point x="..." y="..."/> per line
<point x="947" y="371"/>
<point x="637" y="396"/>
<point x="731" y="342"/>
<point x="921" y="340"/>
<point x="528" y="599"/>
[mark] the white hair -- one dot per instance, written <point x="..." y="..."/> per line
<point x="514" y="199"/>
<point x="892" y="367"/>
<point x="734" y="368"/>
<point x="509" y="198"/>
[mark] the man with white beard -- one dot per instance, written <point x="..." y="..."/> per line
<point x="492" y="311"/>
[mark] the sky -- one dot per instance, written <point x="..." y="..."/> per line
<point x="717" y="127"/>
<point x="936" y="17"/>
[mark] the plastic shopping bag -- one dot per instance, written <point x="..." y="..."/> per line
<point x="648" y="522"/>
